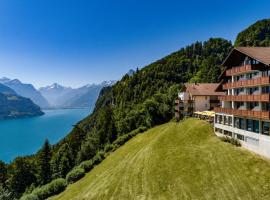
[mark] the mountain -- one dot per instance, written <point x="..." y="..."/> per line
<point x="131" y="72"/>
<point x="67" y="97"/>
<point x="133" y="103"/>
<point x="257" y="34"/>
<point x="55" y="94"/>
<point x="6" y="90"/>
<point x="14" y="106"/>
<point x="26" y="90"/>
<point x="175" y="161"/>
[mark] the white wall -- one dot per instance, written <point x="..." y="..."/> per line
<point x="202" y="103"/>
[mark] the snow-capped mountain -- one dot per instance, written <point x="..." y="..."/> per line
<point x="25" y="90"/>
<point x="66" y="97"/>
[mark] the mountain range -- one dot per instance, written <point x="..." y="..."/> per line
<point x="56" y="96"/>
<point x="15" y="106"/>
<point x="26" y="90"/>
<point x="60" y="96"/>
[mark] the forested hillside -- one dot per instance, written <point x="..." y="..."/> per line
<point x="139" y="101"/>
<point x="136" y="102"/>
<point x="258" y="34"/>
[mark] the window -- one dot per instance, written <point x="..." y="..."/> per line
<point x="265" y="128"/>
<point x="266" y="89"/>
<point x="240" y="137"/>
<point x="242" y="124"/>
<point x="239" y="91"/>
<point x="239" y="104"/>
<point x="228" y="120"/>
<point x="228" y="133"/>
<point x="265" y="106"/>
<point x="256" y="125"/>
<point x="253" y="125"/>
<point x="218" y="130"/>
<point x="205" y="97"/>
<point x="236" y="122"/>
<point x="253" y="90"/>
<point x="249" y="124"/>
<point x="252" y="105"/>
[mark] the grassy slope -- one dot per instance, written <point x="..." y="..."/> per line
<point x="176" y="161"/>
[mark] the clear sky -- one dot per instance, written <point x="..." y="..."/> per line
<point x="88" y="41"/>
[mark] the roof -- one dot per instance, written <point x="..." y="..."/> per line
<point x="262" y="54"/>
<point x="203" y="89"/>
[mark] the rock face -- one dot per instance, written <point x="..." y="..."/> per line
<point x="14" y="106"/>
<point x="26" y="90"/>
<point x="67" y="97"/>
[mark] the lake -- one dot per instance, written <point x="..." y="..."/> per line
<point x="25" y="136"/>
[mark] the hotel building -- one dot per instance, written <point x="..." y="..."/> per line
<point x="196" y="97"/>
<point x="244" y="113"/>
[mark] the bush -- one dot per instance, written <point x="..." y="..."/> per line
<point x="110" y="147"/>
<point x="74" y="175"/>
<point x="48" y="190"/>
<point x="87" y="165"/>
<point x="30" y="197"/>
<point x="98" y="158"/>
<point x="231" y="140"/>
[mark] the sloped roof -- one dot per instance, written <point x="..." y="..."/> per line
<point x="203" y="89"/>
<point x="262" y="54"/>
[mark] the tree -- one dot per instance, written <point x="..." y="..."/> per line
<point x="22" y="175"/>
<point x="3" y="173"/>
<point x="62" y="161"/>
<point x="43" y="163"/>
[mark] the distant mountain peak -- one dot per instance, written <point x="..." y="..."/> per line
<point x="56" y="85"/>
<point x="4" y="80"/>
<point x="131" y="72"/>
<point x="108" y="83"/>
<point x="15" y="81"/>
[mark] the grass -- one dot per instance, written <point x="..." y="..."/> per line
<point x="176" y="161"/>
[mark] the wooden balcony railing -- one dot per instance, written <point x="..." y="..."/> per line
<point x="259" y="97"/>
<point x="265" y="80"/>
<point x="241" y="69"/>
<point x="244" y="113"/>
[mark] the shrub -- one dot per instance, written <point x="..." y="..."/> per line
<point x="87" y="165"/>
<point x="48" y="190"/>
<point x="231" y="140"/>
<point x="30" y="197"/>
<point x="75" y="174"/>
<point x="98" y="158"/>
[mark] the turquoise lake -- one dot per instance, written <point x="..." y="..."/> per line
<point x="25" y="136"/>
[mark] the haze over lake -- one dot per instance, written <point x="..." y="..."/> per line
<point x="25" y="136"/>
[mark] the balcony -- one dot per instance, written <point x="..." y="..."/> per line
<point x="248" y="98"/>
<point x="177" y="101"/>
<point x="241" y="69"/>
<point x="265" y="80"/>
<point x="244" y="113"/>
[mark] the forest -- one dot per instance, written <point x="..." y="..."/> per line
<point x="134" y="104"/>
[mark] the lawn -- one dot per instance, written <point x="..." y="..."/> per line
<point x="176" y="161"/>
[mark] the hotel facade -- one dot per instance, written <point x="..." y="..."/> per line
<point x="244" y="111"/>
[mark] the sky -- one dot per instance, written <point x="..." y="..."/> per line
<point x="80" y="42"/>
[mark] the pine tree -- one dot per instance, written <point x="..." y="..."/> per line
<point x="44" y="167"/>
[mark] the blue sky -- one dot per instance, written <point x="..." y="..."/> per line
<point x="79" y="42"/>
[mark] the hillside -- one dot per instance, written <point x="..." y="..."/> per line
<point x="14" y="106"/>
<point x="257" y="34"/>
<point x="26" y="90"/>
<point x="176" y="161"/>
<point x="140" y="101"/>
